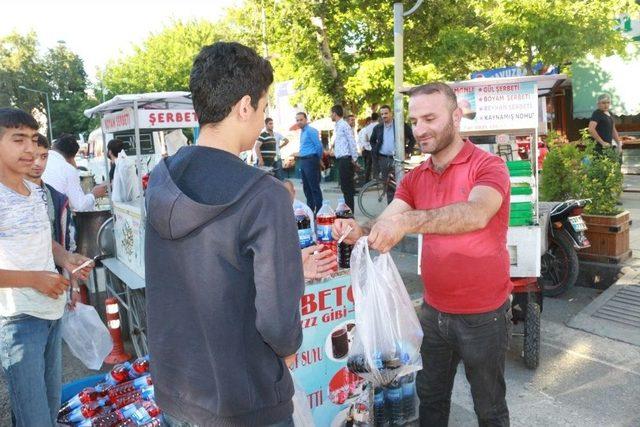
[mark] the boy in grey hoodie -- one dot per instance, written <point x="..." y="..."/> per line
<point x="224" y="273"/>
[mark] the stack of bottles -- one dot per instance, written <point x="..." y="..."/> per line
<point x="325" y="218"/>
<point x="125" y="398"/>
<point x="395" y="403"/>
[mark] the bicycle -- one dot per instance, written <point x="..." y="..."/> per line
<point x="372" y="198"/>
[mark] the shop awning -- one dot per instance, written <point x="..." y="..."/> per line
<point x="612" y="75"/>
<point x="161" y="100"/>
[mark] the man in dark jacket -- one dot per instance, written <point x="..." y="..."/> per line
<point x="224" y="272"/>
<point x="383" y="145"/>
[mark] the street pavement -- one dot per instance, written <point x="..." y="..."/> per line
<point x="583" y="379"/>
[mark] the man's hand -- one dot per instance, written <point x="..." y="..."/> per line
<point x="73" y="261"/>
<point x="318" y="262"/>
<point x="99" y="191"/>
<point x="386" y="233"/>
<point x="76" y="297"/>
<point x="49" y="283"/>
<point x="341" y="225"/>
<point x="290" y="361"/>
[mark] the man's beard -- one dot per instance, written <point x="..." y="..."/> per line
<point x="444" y="138"/>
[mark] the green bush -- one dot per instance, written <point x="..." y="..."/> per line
<point x="573" y="172"/>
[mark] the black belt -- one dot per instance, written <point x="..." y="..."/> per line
<point x="388" y="156"/>
<point x="311" y="156"/>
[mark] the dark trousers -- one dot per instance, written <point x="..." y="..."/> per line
<point x="310" y="173"/>
<point x="347" y="184"/>
<point x="387" y="167"/>
<point x="368" y="163"/>
<point x="480" y="341"/>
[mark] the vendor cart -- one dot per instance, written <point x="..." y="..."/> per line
<point x="495" y="112"/>
<point x="141" y="121"/>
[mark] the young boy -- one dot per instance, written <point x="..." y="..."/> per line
<point x="32" y="293"/>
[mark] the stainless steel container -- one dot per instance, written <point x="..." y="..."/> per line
<point x="87" y="226"/>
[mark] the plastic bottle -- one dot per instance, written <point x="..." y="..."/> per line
<point x="119" y="374"/>
<point x="139" y="367"/>
<point x="87" y="395"/>
<point x="130" y="386"/>
<point x="305" y="235"/>
<point x="343" y="211"/>
<point x="140" y="413"/>
<point x="408" y="396"/>
<point x="393" y="398"/>
<point x="324" y="222"/>
<point x="87" y="411"/>
<point x="379" y="410"/>
<point x="145" y="393"/>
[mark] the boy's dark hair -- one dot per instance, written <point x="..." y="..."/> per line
<point x="222" y="74"/>
<point x="66" y="145"/>
<point x="267" y="120"/>
<point x="15" y="118"/>
<point x="375" y="117"/>
<point x="350" y="115"/>
<point x="338" y="110"/>
<point x="302" y="113"/>
<point x="386" y="106"/>
<point x="43" y="141"/>
<point x="115" y="146"/>
<point x="436" y="87"/>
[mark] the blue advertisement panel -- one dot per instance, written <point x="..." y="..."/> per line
<point x="328" y="322"/>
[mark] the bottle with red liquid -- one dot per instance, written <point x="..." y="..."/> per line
<point x="119" y="374"/>
<point x="343" y="211"/>
<point x="130" y="386"/>
<point x="145" y="393"/>
<point x="87" y="395"/>
<point x="140" y="413"/>
<point x="87" y="411"/>
<point x="139" y="367"/>
<point x="324" y="222"/>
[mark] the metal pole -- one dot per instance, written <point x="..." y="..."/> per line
<point x="139" y="166"/>
<point x="398" y="77"/>
<point x="49" y="119"/>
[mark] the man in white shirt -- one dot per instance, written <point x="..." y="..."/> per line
<point x="346" y="154"/>
<point x="32" y="293"/>
<point x="364" y="145"/>
<point x="61" y="174"/>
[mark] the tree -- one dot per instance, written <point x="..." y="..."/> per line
<point x="163" y="61"/>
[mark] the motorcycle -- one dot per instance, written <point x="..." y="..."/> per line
<point x="566" y="236"/>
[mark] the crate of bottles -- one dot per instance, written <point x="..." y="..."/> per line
<point x="519" y="168"/>
<point x="521" y="214"/>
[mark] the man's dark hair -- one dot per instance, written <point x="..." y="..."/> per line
<point x="436" y="87"/>
<point x="375" y="117"/>
<point x="350" y="115"/>
<point x="15" y="118"/>
<point x="222" y="74"/>
<point x="43" y="141"/>
<point x="338" y="110"/>
<point x="268" y="120"/>
<point x="385" y="106"/>
<point x="302" y="113"/>
<point x="66" y="145"/>
<point x="115" y="146"/>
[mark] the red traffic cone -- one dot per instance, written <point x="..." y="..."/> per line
<point x="117" y="355"/>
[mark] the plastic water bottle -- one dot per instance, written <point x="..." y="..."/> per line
<point x="145" y="393"/>
<point x="140" y="413"/>
<point x="408" y="396"/>
<point x="87" y="395"/>
<point x="119" y="374"/>
<point x="87" y="411"/>
<point x="324" y="222"/>
<point x="305" y="235"/>
<point x="393" y="397"/>
<point x="343" y="211"/>
<point x="139" y="367"/>
<point x="380" y="411"/>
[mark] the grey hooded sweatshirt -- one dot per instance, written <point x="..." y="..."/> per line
<point x="223" y="284"/>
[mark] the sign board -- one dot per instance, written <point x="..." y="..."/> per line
<point x="497" y="106"/>
<point x="167" y="119"/>
<point x="514" y="71"/>
<point x="328" y="324"/>
<point x="118" y="121"/>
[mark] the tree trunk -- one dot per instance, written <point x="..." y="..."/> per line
<point x="327" y="59"/>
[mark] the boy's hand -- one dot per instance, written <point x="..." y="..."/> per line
<point x="318" y="262"/>
<point x="73" y="261"/>
<point x="49" y="283"/>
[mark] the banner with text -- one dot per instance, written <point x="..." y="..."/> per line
<point x="495" y="107"/>
<point x="328" y="322"/>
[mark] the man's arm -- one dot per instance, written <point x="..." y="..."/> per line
<point x="351" y="141"/>
<point x="315" y="137"/>
<point x="48" y="283"/>
<point x="77" y="199"/>
<point x="396" y="207"/>
<point x="70" y="261"/>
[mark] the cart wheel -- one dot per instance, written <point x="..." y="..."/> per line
<point x="531" y="350"/>
<point x="138" y="322"/>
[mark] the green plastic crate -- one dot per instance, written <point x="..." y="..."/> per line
<point x="520" y="222"/>
<point x="522" y="206"/>
<point x="521" y="190"/>
<point x="519" y="165"/>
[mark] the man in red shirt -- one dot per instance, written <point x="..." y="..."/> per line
<point x="459" y="201"/>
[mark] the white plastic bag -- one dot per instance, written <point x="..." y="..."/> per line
<point x="86" y="335"/>
<point x="125" y="180"/>
<point x="388" y="333"/>
<point x="301" y="412"/>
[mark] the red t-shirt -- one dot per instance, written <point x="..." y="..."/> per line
<point x="463" y="273"/>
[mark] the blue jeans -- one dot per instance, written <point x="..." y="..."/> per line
<point x="310" y="173"/>
<point x="31" y="356"/>
<point x="169" y="421"/>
